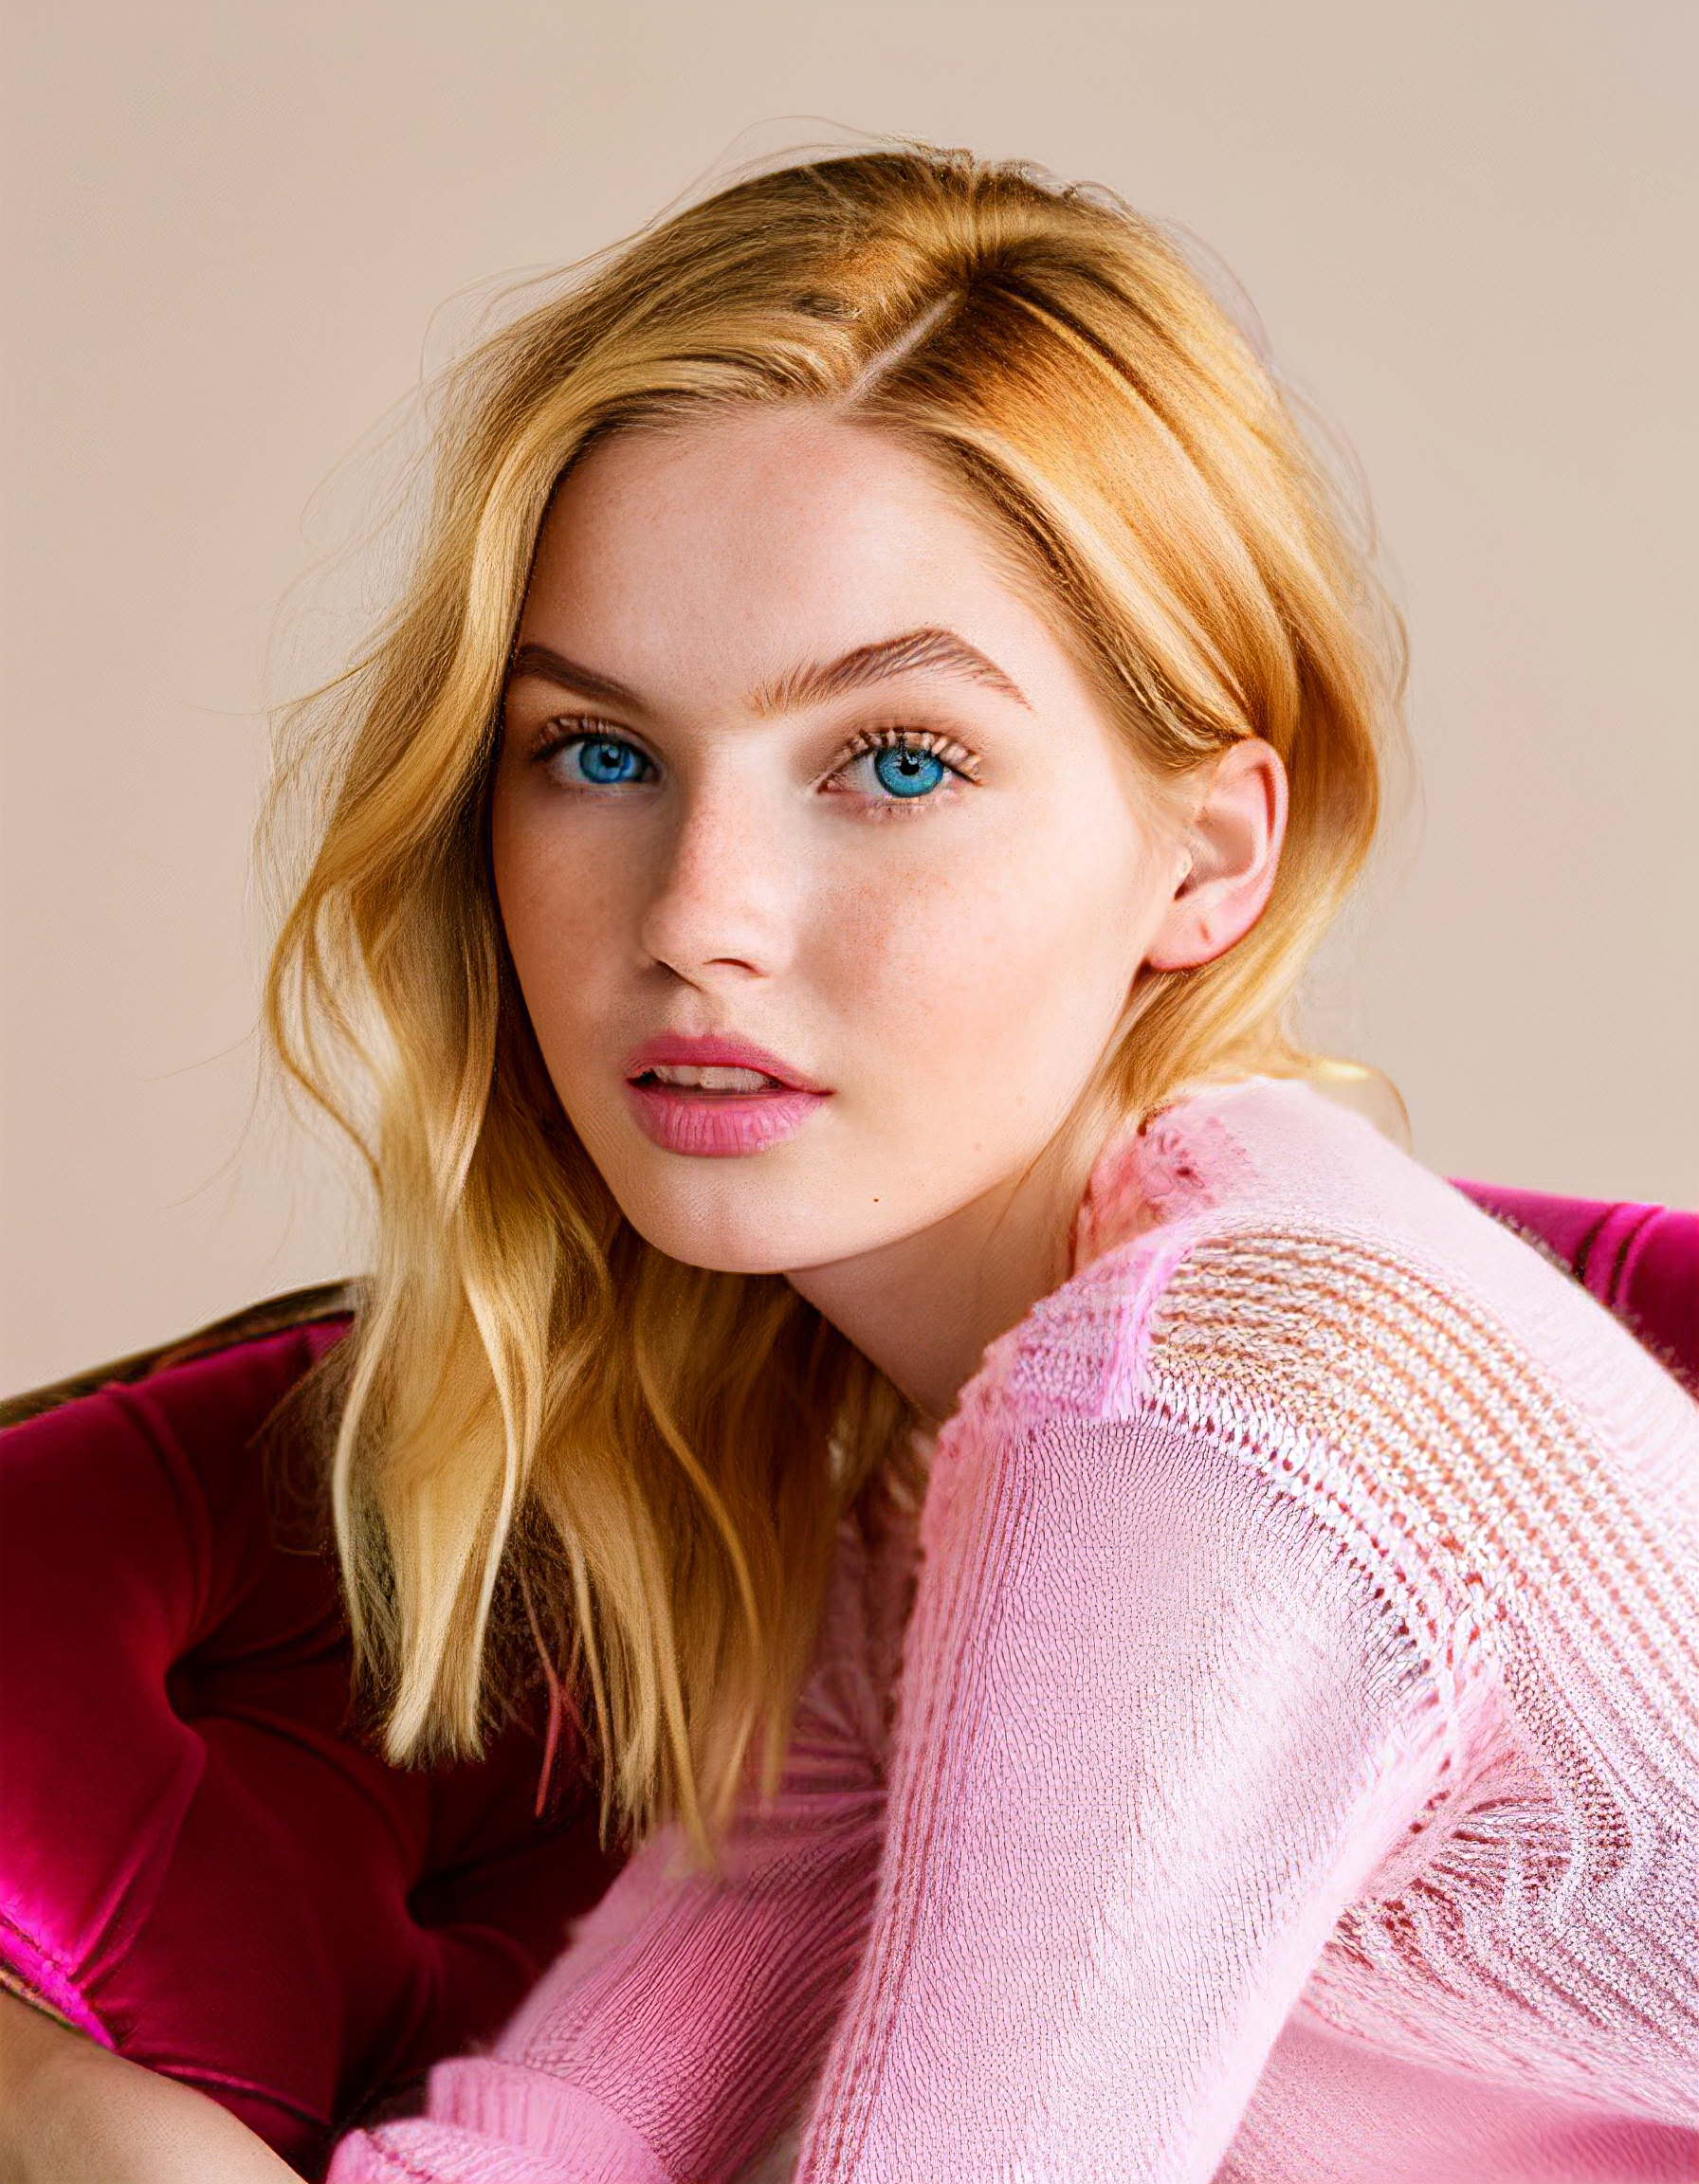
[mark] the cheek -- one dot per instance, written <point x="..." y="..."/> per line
<point x="563" y="915"/>
<point x="1000" y="959"/>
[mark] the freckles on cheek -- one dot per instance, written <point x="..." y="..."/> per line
<point x="1002" y="969"/>
<point x="553" y="884"/>
<point x="887" y="939"/>
<point x="936" y="964"/>
<point x="555" y="920"/>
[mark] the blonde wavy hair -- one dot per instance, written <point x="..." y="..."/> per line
<point x="544" y="1424"/>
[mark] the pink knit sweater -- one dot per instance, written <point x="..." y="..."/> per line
<point x="1287" y="1769"/>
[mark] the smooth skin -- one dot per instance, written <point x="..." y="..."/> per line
<point x="952" y="963"/>
<point x="73" y="2113"/>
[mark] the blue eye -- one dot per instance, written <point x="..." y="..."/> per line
<point x="904" y="772"/>
<point x="606" y="761"/>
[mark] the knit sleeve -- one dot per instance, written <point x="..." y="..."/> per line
<point x="677" y="2036"/>
<point x="1157" y="1730"/>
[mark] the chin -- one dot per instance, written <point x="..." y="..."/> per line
<point x="725" y="1226"/>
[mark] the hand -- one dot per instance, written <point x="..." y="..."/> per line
<point x="72" y="2112"/>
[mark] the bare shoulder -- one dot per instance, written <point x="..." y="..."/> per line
<point x="71" y="2109"/>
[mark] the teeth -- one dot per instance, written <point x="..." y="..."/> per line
<point x="709" y="1079"/>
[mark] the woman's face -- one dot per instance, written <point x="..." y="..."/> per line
<point x="825" y="875"/>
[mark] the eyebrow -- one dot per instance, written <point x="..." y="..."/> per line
<point x="914" y="651"/>
<point x="551" y="666"/>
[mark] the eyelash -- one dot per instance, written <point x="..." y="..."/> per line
<point x="866" y="742"/>
<point x="958" y="761"/>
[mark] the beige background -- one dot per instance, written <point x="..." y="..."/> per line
<point x="1469" y="230"/>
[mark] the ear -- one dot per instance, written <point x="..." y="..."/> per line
<point x="1229" y="853"/>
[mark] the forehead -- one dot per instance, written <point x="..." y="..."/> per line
<point x="720" y="553"/>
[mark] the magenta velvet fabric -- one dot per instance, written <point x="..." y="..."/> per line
<point x="202" y="1865"/>
<point x="1642" y="1261"/>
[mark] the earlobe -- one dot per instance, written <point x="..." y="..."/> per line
<point x="1232" y="854"/>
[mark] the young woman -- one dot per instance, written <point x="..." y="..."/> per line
<point x="1138" y="1635"/>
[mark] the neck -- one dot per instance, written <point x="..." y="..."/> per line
<point x="923" y="1309"/>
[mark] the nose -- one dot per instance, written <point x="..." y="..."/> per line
<point x="723" y="903"/>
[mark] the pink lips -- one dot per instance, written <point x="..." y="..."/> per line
<point x="717" y="1126"/>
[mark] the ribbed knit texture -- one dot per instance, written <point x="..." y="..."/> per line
<point x="1289" y="1768"/>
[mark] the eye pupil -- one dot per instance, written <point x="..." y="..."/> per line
<point x="906" y="772"/>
